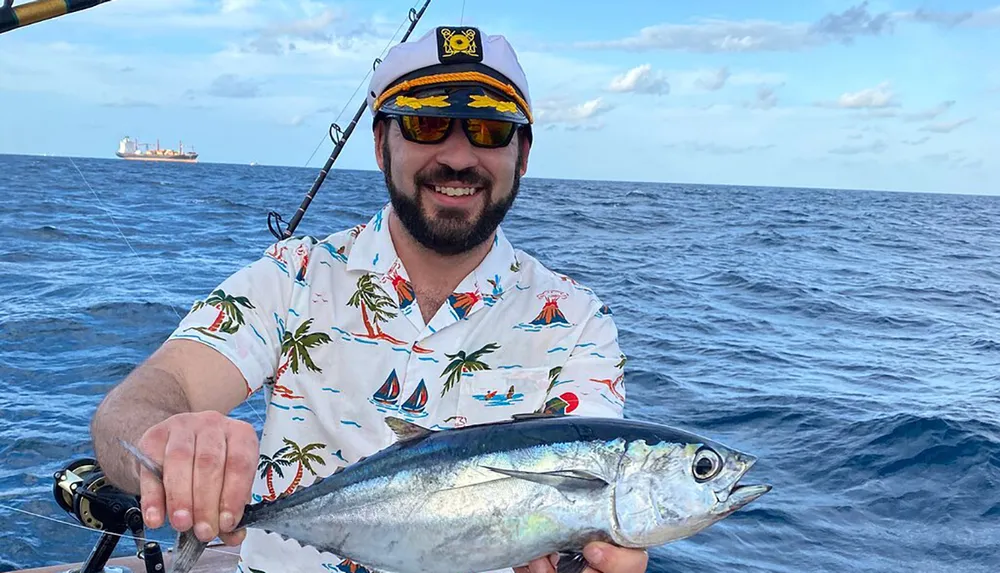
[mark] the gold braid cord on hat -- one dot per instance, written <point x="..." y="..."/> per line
<point x="453" y="78"/>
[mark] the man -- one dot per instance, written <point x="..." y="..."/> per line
<point x="426" y="312"/>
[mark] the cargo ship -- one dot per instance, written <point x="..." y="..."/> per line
<point x="129" y="148"/>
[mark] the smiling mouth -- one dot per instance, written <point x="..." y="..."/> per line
<point x="453" y="191"/>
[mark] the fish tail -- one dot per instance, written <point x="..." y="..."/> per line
<point x="187" y="551"/>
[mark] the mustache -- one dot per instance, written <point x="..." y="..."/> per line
<point x="443" y="173"/>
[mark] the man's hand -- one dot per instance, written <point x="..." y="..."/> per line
<point x="603" y="558"/>
<point x="209" y="461"/>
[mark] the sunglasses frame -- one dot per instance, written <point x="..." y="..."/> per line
<point x="464" y="121"/>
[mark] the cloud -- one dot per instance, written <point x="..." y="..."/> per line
<point x="641" y="79"/>
<point x="232" y="86"/>
<point x="953" y="160"/>
<point x="559" y="112"/>
<point x="714" y="81"/>
<point x="880" y="96"/>
<point x="920" y="141"/>
<point x="230" y="6"/>
<point x="765" y="99"/>
<point x="874" y="147"/>
<point x="947" y="126"/>
<point x="130" y="103"/>
<point x="717" y="35"/>
<point x="907" y="116"/>
<point x="947" y="19"/>
<point x="930" y="113"/>
<point x="987" y="18"/>
<point x="713" y="35"/>
<point x="712" y="148"/>
<point x="851" y="23"/>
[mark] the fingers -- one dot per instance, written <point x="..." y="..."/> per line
<point x="209" y="462"/>
<point x="178" y="472"/>
<point x="541" y="565"/>
<point x="242" y="452"/>
<point x="209" y="467"/>
<point x="607" y="558"/>
<point x="151" y="491"/>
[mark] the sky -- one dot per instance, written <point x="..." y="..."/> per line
<point x="899" y="95"/>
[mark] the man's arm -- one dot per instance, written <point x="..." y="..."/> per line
<point x="172" y="407"/>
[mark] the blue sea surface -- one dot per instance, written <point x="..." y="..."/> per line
<point x="850" y="339"/>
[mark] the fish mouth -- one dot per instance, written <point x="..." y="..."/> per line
<point x="738" y="495"/>
<point x="741" y="495"/>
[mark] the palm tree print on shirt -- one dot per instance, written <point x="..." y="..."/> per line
<point x="305" y="458"/>
<point x="462" y="363"/>
<point x="295" y="347"/>
<point x="230" y="317"/>
<point x="371" y="298"/>
<point x="270" y="465"/>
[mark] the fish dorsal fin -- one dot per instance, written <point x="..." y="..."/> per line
<point x="559" y="479"/>
<point x="406" y="430"/>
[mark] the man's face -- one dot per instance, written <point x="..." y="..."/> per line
<point x="450" y="196"/>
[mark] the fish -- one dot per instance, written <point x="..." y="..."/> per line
<point x="497" y="495"/>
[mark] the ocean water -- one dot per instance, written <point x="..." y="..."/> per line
<point x="850" y="339"/>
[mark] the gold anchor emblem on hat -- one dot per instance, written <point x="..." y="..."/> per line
<point x="455" y="42"/>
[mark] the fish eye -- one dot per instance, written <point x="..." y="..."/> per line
<point x="707" y="464"/>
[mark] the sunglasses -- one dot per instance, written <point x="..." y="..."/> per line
<point x="488" y="133"/>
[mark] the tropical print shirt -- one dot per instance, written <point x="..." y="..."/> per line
<point x="331" y="331"/>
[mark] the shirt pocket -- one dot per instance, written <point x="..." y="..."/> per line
<point x="494" y="395"/>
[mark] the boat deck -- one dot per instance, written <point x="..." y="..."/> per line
<point x="221" y="559"/>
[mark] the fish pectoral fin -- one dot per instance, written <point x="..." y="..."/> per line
<point x="560" y="479"/>
<point x="571" y="562"/>
<point x="406" y="430"/>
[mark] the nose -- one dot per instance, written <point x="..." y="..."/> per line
<point x="456" y="151"/>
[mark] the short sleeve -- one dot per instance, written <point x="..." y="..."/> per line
<point x="243" y="317"/>
<point x="591" y="381"/>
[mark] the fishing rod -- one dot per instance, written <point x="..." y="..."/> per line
<point x="12" y="17"/>
<point x="339" y="138"/>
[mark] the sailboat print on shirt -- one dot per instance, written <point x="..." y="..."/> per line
<point x="414" y="406"/>
<point x="385" y="397"/>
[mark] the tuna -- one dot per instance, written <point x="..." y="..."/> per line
<point x="497" y="495"/>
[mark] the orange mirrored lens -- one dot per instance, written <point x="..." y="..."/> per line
<point x="489" y="132"/>
<point x="426" y="129"/>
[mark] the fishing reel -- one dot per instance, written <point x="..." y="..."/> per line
<point x="83" y="491"/>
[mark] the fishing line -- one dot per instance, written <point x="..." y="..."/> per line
<point x="120" y="535"/>
<point x="363" y="80"/>
<point x="136" y="254"/>
<point x="461" y="21"/>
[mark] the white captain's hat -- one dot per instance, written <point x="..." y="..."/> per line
<point x="454" y="72"/>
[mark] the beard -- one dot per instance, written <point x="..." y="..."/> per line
<point x="450" y="233"/>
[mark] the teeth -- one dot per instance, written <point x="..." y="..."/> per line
<point x="455" y="191"/>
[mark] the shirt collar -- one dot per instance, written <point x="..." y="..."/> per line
<point x="373" y="250"/>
